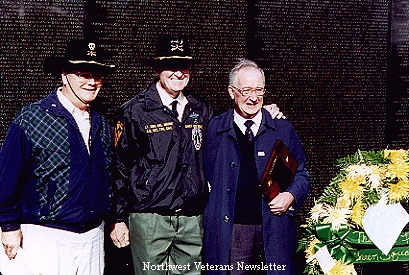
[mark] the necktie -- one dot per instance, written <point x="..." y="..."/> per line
<point x="174" y="108"/>
<point x="249" y="133"/>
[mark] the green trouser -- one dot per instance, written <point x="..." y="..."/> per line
<point x="166" y="244"/>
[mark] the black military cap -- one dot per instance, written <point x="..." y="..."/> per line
<point x="172" y="50"/>
<point x="80" y="54"/>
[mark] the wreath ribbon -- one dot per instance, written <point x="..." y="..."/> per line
<point x="335" y="242"/>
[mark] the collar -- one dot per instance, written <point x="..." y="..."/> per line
<point x="68" y="105"/>
<point x="226" y="120"/>
<point x="52" y="104"/>
<point x="239" y="120"/>
<point x="152" y="100"/>
<point x="167" y="99"/>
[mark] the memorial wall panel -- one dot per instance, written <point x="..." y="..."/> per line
<point x="337" y="69"/>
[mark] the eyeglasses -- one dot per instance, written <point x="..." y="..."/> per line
<point x="247" y="91"/>
<point x="86" y="76"/>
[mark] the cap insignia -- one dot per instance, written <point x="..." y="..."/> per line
<point x="176" y="45"/>
<point x="91" y="47"/>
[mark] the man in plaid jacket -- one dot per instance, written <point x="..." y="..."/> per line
<point x="54" y="178"/>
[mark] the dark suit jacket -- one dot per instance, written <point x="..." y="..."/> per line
<point x="222" y="163"/>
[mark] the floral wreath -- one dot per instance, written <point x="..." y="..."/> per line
<point x="335" y="220"/>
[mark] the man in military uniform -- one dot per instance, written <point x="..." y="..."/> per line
<point x="160" y="185"/>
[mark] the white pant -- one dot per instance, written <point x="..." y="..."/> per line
<point x="50" y="251"/>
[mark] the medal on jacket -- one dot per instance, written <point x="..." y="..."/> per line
<point x="196" y="132"/>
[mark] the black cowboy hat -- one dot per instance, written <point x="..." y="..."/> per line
<point x="80" y="54"/>
<point x="171" y="50"/>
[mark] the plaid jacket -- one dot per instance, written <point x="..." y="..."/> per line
<point x="47" y="176"/>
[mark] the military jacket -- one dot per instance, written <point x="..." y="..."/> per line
<point x="159" y="158"/>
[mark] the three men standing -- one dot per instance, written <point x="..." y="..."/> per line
<point x="55" y="179"/>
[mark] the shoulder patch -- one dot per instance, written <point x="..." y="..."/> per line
<point x="119" y="129"/>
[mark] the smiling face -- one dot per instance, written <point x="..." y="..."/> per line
<point x="174" y="80"/>
<point x="247" y="106"/>
<point x="85" y="85"/>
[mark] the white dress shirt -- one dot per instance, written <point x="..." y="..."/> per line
<point x="81" y="118"/>
<point x="167" y="101"/>
<point x="239" y="120"/>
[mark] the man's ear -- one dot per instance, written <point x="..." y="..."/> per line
<point x="64" y="78"/>
<point x="230" y="89"/>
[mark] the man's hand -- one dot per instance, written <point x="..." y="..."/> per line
<point x="11" y="241"/>
<point x="120" y="234"/>
<point x="274" y="111"/>
<point x="280" y="204"/>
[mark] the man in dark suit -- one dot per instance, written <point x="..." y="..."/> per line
<point x="243" y="230"/>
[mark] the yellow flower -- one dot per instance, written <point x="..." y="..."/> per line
<point x="310" y="250"/>
<point x="342" y="269"/>
<point x="360" y="179"/>
<point x="351" y="187"/>
<point x="343" y="202"/>
<point x="398" y="170"/>
<point x="383" y="171"/>
<point x="396" y="155"/>
<point x="358" y="212"/>
<point x="398" y="191"/>
<point x="336" y="216"/>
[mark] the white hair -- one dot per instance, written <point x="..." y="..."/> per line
<point x="242" y="63"/>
